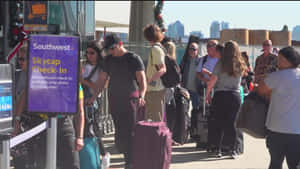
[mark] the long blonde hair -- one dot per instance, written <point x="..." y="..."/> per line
<point x="171" y="49"/>
<point x="231" y="60"/>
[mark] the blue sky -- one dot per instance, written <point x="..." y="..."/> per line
<point x="198" y="15"/>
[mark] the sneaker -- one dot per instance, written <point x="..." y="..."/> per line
<point x="233" y="154"/>
<point x="218" y="154"/>
<point x="105" y="163"/>
<point x="174" y="143"/>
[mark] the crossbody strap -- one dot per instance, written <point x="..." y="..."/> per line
<point x="92" y="72"/>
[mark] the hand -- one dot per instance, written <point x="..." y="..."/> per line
<point x="79" y="144"/>
<point x="90" y="101"/>
<point x="142" y="102"/>
<point x="186" y="94"/>
<point x="17" y="128"/>
<point x="208" y="98"/>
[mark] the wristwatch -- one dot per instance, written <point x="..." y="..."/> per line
<point x="141" y="97"/>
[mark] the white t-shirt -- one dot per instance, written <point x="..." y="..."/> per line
<point x="284" y="109"/>
<point x="86" y="71"/>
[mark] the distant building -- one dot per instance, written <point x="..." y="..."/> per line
<point x="185" y="39"/>
<point x="197" y="33"/>
<point x="296" y="33"/>
<point x="215" y="29"/>
<point x="224" y="25"/>
<point x="175" y="30"/>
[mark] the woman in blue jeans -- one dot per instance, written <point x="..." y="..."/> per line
<point x="226" y="80"/>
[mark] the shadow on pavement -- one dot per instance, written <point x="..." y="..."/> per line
<point x="182" y="154"/>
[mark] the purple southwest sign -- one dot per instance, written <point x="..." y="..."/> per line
<point x="53" y="69"/>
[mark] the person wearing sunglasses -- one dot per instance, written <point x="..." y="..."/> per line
<point x="92" y="135"/>
<point x="265" y="63"/>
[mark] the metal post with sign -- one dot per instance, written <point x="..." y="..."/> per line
<point x="53" y="82"/>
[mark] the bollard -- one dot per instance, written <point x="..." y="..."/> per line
<point x="5" y="155"/>
<point x="51" y="143"/>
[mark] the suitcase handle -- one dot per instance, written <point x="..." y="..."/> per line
<point x="204" y="102"/>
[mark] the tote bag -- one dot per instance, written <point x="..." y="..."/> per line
<point x="252" y="117"/>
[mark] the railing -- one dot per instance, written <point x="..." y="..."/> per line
<point x="6" y="143"/>
<point x="106" y="123"/>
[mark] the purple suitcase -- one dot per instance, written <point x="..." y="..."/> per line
<point x="152" y="146"/>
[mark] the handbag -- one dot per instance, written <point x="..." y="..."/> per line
<point x="89" y="154"/>
<point x="252" y="116"/>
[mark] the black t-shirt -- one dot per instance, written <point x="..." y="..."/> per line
<point x="122" y="73"/>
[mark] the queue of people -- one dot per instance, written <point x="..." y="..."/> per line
<point x="218" y="80"/>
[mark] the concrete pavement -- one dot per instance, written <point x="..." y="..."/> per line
<point x="255" y="156"/>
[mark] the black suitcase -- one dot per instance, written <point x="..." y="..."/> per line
<point x="177" y="116"/>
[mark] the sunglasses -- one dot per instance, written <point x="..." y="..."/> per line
<point x="266" y="44"/>
<point x="21" y="59"/>
<point x="193" y="49"/>
<point x="210" y="45"/>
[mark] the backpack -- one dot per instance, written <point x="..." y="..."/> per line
<point x="172" y="77"/>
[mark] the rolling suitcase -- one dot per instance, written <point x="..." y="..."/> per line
<point x="178" y="120"/>
<point x="202" y="123"/>
<point x="152" y="146"/>
<point x="199" y="128"/>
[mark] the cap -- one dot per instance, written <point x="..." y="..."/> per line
<point x="291" y="55"/>
<point x="111" y="40"/>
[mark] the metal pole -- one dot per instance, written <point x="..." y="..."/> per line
<point x="6" y="28"/>
<point x="51" y="144"/>
<point x="5" y="155"/>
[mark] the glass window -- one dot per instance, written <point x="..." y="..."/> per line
<point x="63" y="13"/>
<point x="89" y="18"/>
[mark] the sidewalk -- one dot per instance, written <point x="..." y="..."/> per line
<point x="256" y="156"/>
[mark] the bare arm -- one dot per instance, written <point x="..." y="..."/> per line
<point x="201" y="74"/>
<point x="141" y="78"/>
<point x="80" y="127"/>
<point x="20" y="104"/>
<point x="100" y="84"/>
<point x="80" y="119"/>
<point x="19" y="109"/>
<point x="88" y="83"/>
<point x="264" y="90"/>
<point x="161" y="71"/>
<point x="210" y="84"/>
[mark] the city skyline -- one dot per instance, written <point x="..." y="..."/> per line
<point x="198" y="15"/>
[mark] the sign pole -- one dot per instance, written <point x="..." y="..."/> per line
<point x="51" y="143"/>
